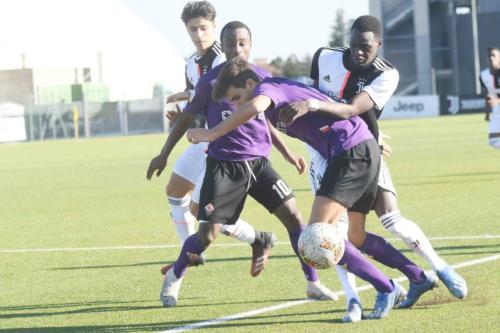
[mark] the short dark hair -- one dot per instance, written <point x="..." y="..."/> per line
<point x="233" y="25"/>
<point x="234" y="73"/>
<point x="194" y="9"/>
<point x="368" y="23"/>
<point x="493" y="48"/>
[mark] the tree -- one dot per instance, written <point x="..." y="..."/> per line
<point x="338" y="35"/>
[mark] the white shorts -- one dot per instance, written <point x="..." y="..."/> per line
<point x="195" y="196"/>
<point x="385" y="179"/>
<point x="318" y="166"/>
<point x="191" y="164"/>
<point x="494" y="128"/>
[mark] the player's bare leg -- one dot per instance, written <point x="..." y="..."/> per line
<point x="178" y="190"/>
<point x="327" y="210"/>
<point x="386" y="207"/>
<point x="292" y="219"/>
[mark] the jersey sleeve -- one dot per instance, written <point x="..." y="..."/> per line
<point x="314" y="65"/>
<point x="271" y="90"/>
<point x="382" y="88"/>
<point x="219" y="59"/>
<point x="201" y="99"/>
<point x="484" y="89"/>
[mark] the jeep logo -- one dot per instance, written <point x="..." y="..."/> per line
<point x="409" y="107"/>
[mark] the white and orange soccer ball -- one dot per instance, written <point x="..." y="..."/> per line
<point x="321" y="245"/>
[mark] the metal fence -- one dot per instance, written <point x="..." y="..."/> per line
<point x="69" y="120"/>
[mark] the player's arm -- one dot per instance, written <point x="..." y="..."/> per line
<point x="361" y="103"/>
<point x="197" y="106"/>
<point x="295" y="160"/>
<point x="244" y="113"/>
<point x="484" y="92"/>
<point x="159" y="162"/>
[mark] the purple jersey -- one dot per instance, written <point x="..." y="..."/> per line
<point x="246" y="142"/>
<point x="328" y="136"/>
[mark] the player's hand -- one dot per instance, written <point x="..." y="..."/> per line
<point x="491" y="102"/>
<point x="157" y="164"/>
<point x="386" y="149"/>
<point x="289" y="113"/>
<point x="172" y="115"/>
<point x="197" y="135"/>
<point x="178" y="97"/>
<point x="298" y="161"/>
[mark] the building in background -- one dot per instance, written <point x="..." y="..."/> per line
<point x="104" y="40"/>
<point x="438" y="46"/>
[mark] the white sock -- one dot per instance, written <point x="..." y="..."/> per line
<point x="183" y="220"/>
<point x="413" y="236"/>
<point x="240" y="230"/>
<point x="348" y="280"/>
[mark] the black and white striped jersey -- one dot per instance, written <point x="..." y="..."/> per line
<point x="197" y="66"/>
<point x="333" y="76"/>
<point x="490" y="82"/>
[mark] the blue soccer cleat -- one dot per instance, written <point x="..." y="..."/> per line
<point x="418" y="289"/>
<point x="354" y="312"/>
<point x="453" y="281"/>
<point x="386" y="301"/>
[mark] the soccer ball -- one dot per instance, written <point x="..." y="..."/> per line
<point x="321" y="246"/>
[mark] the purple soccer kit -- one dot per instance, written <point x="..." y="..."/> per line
<point x="246" y="142"/>
<point x="249" y="141"/>
<point x="330" y="138"/>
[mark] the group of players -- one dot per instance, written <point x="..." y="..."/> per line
<point x="245" y="110"/>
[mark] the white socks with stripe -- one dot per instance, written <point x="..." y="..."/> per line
<point x="241" y="230"/>
<point x="348" y="280"/>
<point x="413" y="236"/>
<point x="183" y="220"/>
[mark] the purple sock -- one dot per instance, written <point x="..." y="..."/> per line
<point x="358" y="265"/>
<point x="310" y="273"/>
<point x="191" y="245"/>
<point x="377" y="248"/>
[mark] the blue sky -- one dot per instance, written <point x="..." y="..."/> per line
<point x="279" y="27"/>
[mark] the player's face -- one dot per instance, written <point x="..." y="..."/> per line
<point x="236" y="43"/>
<point x="240" y="96"/>
<point x="364" y="47"/>
<point x="201" y="32"/>
<point x="494" y="59"/>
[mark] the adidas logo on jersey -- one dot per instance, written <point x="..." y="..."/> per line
<point x="327" y="78"/>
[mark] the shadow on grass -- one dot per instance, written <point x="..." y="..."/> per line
<point x="25" y="311"/>
<point x="160" y="263"/>
<point x="463" y="249"/>
<point x="255" y="321"/>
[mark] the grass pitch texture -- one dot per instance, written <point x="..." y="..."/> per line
<point x="96" y="234"/>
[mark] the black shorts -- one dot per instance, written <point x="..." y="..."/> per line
<point x="351" y="178"/>
<point x="227" y="183"/>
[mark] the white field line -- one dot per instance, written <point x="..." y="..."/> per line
<point x="252" y="313"/>
<point x="173" y="246"/>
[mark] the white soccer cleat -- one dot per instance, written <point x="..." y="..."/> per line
<point x="317" y="290"/>
<point x="170" y="288"/>
<point x="354" y="312"/>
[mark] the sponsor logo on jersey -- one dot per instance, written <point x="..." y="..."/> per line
<point x="281" y="126"/>
<point x="327" y="78"/>
<point x="209" y="209"/>
<point x="226" y="114"/>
